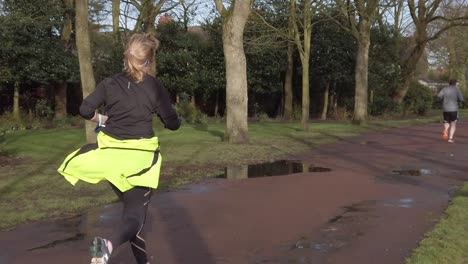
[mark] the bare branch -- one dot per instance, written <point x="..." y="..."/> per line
<point x="275" y="29"/>
<point x="440" y="32"/>
<point x="219" y="6"/>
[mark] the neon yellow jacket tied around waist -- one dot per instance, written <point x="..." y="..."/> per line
<point x="124" y="163"/>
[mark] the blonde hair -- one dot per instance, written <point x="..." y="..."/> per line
<point x="138" y="57"/>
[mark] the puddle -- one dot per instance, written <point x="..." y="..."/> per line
<point x="368" y="142"/>
<point x="402" y="203"/>
<point x="412" y="172"/>
<point x="196" y="189"/>
<point x="74" y="229"/>
<point x="276" y="168"/>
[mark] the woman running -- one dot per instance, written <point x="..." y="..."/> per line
<point x="127" y="151"/>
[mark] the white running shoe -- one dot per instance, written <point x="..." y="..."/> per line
<point x="99" y="250"/>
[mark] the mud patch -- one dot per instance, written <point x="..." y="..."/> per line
<point x="10" y="161"/>
<point x="338" y="232"/>
<point x="55" y="243"/>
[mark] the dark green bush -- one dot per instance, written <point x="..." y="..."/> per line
<point x="187" y="111"/>
<point x="383" y="105"/>
<point x="418" y="100"/>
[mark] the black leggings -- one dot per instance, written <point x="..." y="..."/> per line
<point x="133" y="219"/>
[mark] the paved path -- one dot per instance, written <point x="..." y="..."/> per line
<point x="360" y="212"/>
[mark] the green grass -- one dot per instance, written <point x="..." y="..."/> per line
<point x="447" y="243"/>
<point x="33" y="190"/>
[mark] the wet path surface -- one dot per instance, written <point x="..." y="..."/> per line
<point x="371" y="201"/>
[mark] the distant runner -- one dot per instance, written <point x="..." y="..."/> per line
<point x="450" y="95"/>
<point x="127" y="151"/>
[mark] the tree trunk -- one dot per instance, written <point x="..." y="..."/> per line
<point x="331" y="102"/>
<point x="237" y="172"/>
<point x="407" y="73"/>
<point x="305" y="78"/>
<point x="303" y="43"/>
<point x="192" y="101"/>
<point x="288" y="89"/>
<point x="236" y="72"/>
<point x="335" y="102"/>
<point x="361" y="74"/>
<point x="116" y="20"/>
<point x="60" y="91"/>
<point x="84" y="57"/>
<point x="16" y="95"/>
<point x="216" y="104"/>
<point x="305" y="95"/>
<point x="325" y="101"/>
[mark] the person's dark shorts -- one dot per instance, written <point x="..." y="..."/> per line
<point x="450" y="117"/>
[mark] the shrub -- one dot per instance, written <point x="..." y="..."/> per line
<point x="189" y="113"/>
<point x="69" y="121"/>
<point x="418" y="100"/>
<point x="43" y="109"/>
<point x="341" y="113"/>
<point x="383" y="105"/>
<point x="9" y="124"/>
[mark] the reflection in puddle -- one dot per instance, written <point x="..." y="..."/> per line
<point x="402" y="203"/>
<point x="277" y="168"/>
<point x="412" y="172"/>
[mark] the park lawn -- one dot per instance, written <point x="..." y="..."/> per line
<point x="447" y="243"/>
<point x="33" y="190"/>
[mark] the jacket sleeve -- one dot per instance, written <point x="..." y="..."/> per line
<point x="93" y="101"/>
<point x="164" y="108"/>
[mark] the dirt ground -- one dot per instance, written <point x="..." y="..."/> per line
<point x="362" y="211"/>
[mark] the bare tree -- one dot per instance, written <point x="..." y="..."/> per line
<point x="280" y="36"/>
<point x="61" y="86"/>
<point x="423" y="13"/>
<point x="234" y="19"/>
<point x="187" y="12"/>
<point x="288" y="79"/>
<point x="84" y="56"/>
<point x="148" y="11"/>
<point x="301" y="26"/>
<point x="360" y="16"/>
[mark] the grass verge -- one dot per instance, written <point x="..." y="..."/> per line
<point x="448" y="241"/>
